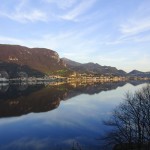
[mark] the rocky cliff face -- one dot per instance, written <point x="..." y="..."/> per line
<point x="39" y="59"/>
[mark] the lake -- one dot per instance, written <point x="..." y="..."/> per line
<point x="58" y="116"/>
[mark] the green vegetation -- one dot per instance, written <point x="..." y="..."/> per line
<point x="62" y="72"/>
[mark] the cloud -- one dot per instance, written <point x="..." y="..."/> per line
<point x="135" y="26"/>
<point x="78" y="10"/>
<point x="127" y="39"/>
<point x="138" y="22"/>
<point x="23" y="17"/>
<point x="23" y="13"/>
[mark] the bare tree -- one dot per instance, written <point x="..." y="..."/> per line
<point x="131" y="122"/>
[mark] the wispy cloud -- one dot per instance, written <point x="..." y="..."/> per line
<point x="22" y="13"/>
<point x="23" y="17"/>
<point x="127" y="39"/>
<point x="65" y="10"/>
<point x="78" y="10"/>
<point x="138" y="22"/>
<point x="135" y="26"/>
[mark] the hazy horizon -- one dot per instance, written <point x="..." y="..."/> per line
<point x="114" y="33"/>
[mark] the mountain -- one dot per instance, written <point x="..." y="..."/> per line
<point x="139" y="73"/>
<point x="18" y="61"/>
<point x="92" y="68"/>
<point x="35" y="60"/>
<point x="70" y="63"/>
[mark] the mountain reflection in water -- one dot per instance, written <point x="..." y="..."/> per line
<point x="17" y="100"/>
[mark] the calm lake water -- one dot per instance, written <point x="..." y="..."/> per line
<point x="56" y="117"/>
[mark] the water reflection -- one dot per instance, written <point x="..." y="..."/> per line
<point x="20" y="99"/>
<point x="82" y="107"/>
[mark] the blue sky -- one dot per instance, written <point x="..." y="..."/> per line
<point x="109" y="32"/>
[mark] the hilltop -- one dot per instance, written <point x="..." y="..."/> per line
<point x="93" y="68"/>
<point x="16" y="60"/>
<point x="33" y="61"/>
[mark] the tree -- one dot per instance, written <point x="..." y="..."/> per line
<point x="131" y="122"/>
<point x="4" y="74"/>
<point x="22" y="75"/>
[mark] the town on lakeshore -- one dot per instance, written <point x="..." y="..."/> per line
<point x="74" y="77"/>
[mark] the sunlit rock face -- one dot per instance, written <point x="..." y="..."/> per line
<point x="39" y="59"/>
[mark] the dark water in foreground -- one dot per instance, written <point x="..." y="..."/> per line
<point x="56" y="117"/>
